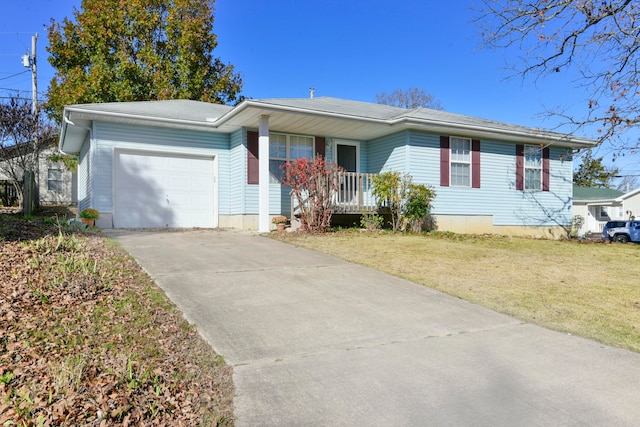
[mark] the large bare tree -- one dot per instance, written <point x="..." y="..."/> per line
<point x="409" y="98"/>
<point x="600" y="40"/>
<point x="23" y="136"/>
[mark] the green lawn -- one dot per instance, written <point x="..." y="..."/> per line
<point x="586" y="289"/>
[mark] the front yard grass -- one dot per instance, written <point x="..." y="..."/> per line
<point x="586" y="289"/>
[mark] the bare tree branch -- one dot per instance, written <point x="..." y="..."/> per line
<point x="599" y="39"/>
<point x="20" y="146"/>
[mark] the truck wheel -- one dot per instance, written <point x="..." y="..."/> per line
<point x="621" y="238"/>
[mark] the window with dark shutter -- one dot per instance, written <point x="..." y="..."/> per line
<point x="459" y="162"/>
<point x="519" y="167"/>
<point x="444" y="161"/>
<point x="545" y="169"/>
<point x="252" y="158"/>
<point x="475" y="163"/>
<point x="320" y="146"/>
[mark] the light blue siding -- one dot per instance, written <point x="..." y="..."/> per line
<point x="279" y="198"/>
<point x="424" y="158"/>
<point x="388" y="153"/>
<point x="364" y="157"/>
<point x="107" y="136"/>
<point x="497" y="195"/>
<point x="418" y="153"/>
<point x="415" y="152"/>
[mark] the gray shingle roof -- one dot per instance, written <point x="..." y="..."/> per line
<point x="319" y="116"/>
<point x="369" y="110"/>
<point x="181" y="109"/>
<point x="325" y="104"/>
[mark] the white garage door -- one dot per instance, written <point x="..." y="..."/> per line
<point x="163" y="190"/>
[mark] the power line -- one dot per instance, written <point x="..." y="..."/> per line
<point x="14" y="75"/>
<point x="10" y="89"/>
<point x="16" y="97"/>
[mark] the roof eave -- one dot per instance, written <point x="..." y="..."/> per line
<point x="89" y="114"/>
<point x="545" y="138"/>
<point x="542" y="137"/>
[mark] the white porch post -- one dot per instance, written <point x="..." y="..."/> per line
<point x="263" y="164"/>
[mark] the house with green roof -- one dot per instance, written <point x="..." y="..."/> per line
<point x="598" y="205"/>
<point x="181" y="163"/>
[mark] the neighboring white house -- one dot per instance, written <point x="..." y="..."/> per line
<point x="599" y="205"/>
<point x="56" y="184"/>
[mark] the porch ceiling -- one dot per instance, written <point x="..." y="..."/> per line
<point x="310" y="124"/>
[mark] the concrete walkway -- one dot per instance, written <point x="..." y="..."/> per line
<point x="316" y="341"/>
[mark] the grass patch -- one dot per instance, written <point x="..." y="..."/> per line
<point x="586" y="289"/>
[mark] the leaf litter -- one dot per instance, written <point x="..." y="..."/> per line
<point x="87" y="338"/>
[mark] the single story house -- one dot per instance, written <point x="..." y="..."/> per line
<point x="181" y="163"/>
<point x="599" y="205"/>
<point x="56" y="184"/>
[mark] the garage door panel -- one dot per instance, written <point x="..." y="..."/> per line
<point x="163" y="190"/>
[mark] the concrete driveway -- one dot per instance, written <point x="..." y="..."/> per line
<point x="317" y="341"/>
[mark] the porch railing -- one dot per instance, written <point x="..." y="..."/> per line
<point x="601" y="225"/>
<point x="354" y="194"/>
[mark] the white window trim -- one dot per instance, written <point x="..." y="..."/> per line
<point x="356" y="144"/>
<point x="61" y="180"/>
<point x="451" y="162"/>
<point x="540" y="168"/>
<point x="288" y="137"/>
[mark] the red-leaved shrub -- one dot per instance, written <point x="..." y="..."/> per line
<point x="314" y="184"/>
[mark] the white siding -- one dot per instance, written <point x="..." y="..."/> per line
<point x="632" y="205"/>
<point x="237" y="176"/>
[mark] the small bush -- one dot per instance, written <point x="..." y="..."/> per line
<point x="418" y="205"/>
<point x="371" y="221"/>
<point x="408" y="203"/>
<point x="391" y="188"/>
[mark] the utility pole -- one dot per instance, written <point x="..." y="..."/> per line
<point x="29" y="61"/>
<point x="32" y="176"/>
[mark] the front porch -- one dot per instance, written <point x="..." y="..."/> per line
<point x="354" y="195"/>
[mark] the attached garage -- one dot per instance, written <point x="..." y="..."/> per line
<point x="158" y="190"/>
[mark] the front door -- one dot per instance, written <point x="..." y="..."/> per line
<point x="347" y="158"/>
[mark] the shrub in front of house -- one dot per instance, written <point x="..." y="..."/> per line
<point x="313" y="185"/>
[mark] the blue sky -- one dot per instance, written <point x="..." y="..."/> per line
<point x="346" y="49"/>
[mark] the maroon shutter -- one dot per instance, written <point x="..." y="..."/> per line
<point x="519" y="167"/>
<point x="545" y="169"/>
<point x="444" y="161"/>
<point x="475" y="163"/>
<point x="319" y="146"/>
<point x="252" y="158"/>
